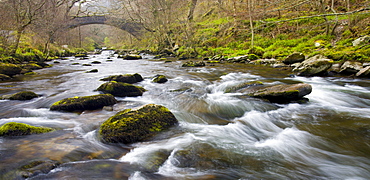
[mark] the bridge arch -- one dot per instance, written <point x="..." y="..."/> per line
<point x="134" y="28"/>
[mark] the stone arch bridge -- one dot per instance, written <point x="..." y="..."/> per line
<point x="134" y="28"/>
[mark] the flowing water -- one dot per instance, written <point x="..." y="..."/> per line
<point x="219" y="135"/>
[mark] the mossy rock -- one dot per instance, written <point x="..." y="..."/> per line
<point x="121" y="89"/>
<point x="131" y="57"/>
<point x="160" y="79"/>
<point x="282" y="93"/>
<point x="84" y="103"/>
<point x="194" y="64"/>
<point x="126" y="78"/>
<point x="10" y="69"/>
<point x="21" y="129"/>
<point x="31" y="66"/>
<point x="93" y="71"/>
<point x="23" y="96"/>
<point x="81" y="55"/>
<point x="4" y="77"/>
<point x="130" y="126"/>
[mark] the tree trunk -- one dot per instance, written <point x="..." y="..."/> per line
<point x="193" y="4"/>
<point x="251" y="22"/>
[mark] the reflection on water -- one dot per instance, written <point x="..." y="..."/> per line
<point x="220" y="135"/>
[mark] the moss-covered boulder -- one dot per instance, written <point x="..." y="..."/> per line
<point x="129" y="126"/>
<point x="4" y="77"/>
<point x="23" y="96"/>
<point x="125" y="78"/>
<point x="160" y="79"/>
<point x="194" y="64"/>
<point x="294" y="58"/>
<point x="31" y="66"/>
<point x="84" y="103"/>
<point x="21" y="129"/>
<point x="10" y="69"/>
<point x="316" y="65"/>
<point x="282" y="93"/>
<point x="131" y="57"/>
<point x="121" y="89"/>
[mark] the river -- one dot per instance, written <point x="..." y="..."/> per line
<point x="219" y="135"/>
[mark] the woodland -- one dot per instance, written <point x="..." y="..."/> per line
<point x="36" y="29"/>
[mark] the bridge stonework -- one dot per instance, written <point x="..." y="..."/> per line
<point x="134" y="28"/>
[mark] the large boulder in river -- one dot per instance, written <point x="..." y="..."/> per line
<point x="21" y="129"/>
<point x="282" y="93"/>
<point x="294" y="58"/>
<point x="84" y="103"/>
<point x="315" y="65"/>
<point x="121" y="89"/>
<point x="125" y="78"/>
<point x="129" y="126"/>
<point x="10" y="69"/>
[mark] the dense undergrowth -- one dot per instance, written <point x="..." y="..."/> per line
<point x="310" y="36"/>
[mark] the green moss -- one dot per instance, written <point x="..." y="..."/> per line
<point x="20" y="129"/>
<point x="84" y="103"/>
<point x="130" y="126"/>
<point x="121" y="89"/>
<point x="24" y="95"/>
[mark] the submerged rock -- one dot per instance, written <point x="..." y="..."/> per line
<point x="23" y="96"/>
<point x="125" y="78"/>
<point x="160" y="79"/>
<point x="315" y="65"/>
<point x="84" y="103"/>
<point x="21" y="129"/>
<point x="281" y="93"/>
<point x="129" y="126"/>
<point x="121" y="89"/>
<point x="37" y="167"/>
<point x="10" y="69"/>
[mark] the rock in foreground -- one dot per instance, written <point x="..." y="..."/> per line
<point x="84" y="103"/>
<point x="121" y="89"/>
<point x="281" y="93"/>
<point x="21" y="129"/>
<point x="129" y="126"/>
